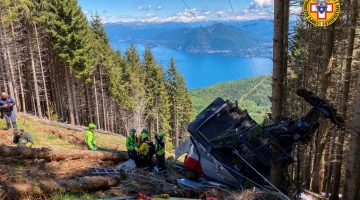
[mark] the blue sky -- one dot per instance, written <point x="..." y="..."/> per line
<point x="177" y="10"/>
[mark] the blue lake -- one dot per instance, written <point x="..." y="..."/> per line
<point x="202" y="70"/>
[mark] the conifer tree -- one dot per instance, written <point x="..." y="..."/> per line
<point x="181" y="107"/>
<point x="157" y="100"/>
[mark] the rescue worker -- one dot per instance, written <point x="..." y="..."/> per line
<point x="144" y="134"/>
<point x="22" y="139"/>
<point x="90" y="137"/>
<point x="147" y="151"/>
<point x="160" y="151"/>
<point x="6" y="107"/>
<point x="131" y="144"/>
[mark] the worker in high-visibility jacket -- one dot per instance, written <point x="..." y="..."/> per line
<point x="132" y="145"/>
<point x="143" y="135"/>
<point x="90" y="137"/>
<point x="160" y="151"/>
<point x="146" y="151"/>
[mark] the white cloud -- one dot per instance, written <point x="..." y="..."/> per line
<point x="150" y="17"/>
<point x="158" y="7"/>
<point x="261" y="3"/>
<point x="141" y="8"/>
<point x="117" y="18"/>
<point x="87" y="12"/>
<point x="187" y="16"/>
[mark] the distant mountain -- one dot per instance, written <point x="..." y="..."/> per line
<point x="252" y="94"/>
<point x="215" y="38"/>
<point x="222" y="37"/>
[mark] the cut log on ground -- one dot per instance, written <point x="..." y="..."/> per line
<point x="83" y="184"/>
<point x="61" y="154"/>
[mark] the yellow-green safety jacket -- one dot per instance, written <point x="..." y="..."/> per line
<point x="90" y="139"/>
<point x="131" y="143"/>
<point x="160" y="148"/>
<point x="144" y="149"/>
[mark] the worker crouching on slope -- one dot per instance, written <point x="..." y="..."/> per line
<point x="90" y="137"/>
<point x="147" y="151"/>
<point x="132" y="145"/>
<point x="160" y="152"/>
<point x="22" y="139"/>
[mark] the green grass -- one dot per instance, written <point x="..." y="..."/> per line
<point x="67" y="196"/>
<point x="52" y="137"/>
<point x="64" y="197"/>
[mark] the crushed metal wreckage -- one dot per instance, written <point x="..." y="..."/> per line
<point x="227" y="146"/>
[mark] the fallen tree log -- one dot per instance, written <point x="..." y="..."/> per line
<point x="61" y="154"/>
<point x="83" y="184"/>
<point x="65" y="125"/>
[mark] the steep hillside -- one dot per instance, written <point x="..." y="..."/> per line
<point x="252" y="94"/>
<point x="49" y="174"/>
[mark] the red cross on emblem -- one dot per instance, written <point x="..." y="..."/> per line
<point x="321" y="16"/>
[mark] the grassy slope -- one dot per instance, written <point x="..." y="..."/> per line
<point x="19" y="173"/>
<point x="252" y="94"/>
<point x="49" y="136"/>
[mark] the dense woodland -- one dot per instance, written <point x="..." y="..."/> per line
<point x="58" y="65"/>
<point x="252" y="94"/>
<point x="324" y="60"/>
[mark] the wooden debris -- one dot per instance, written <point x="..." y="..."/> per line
<point x="61" y="154"/>
<point x="86" y="183"/>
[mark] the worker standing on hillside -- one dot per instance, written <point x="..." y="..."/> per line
<point x="132" y="145"/>
<point x="90" y="137"/>
<point x="6" y="107"/>
<point x="160" y="152"/>
<point x="22" y="139"/>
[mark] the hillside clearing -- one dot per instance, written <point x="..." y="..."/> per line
<point x="26" y="176"/>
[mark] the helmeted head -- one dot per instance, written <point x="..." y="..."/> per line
<point x="144" y="137"/>
<point x="92" y="126"/>
<point x="18" y="132"/>
<point x="145" y="130"/>
<point x="159" y="136"/>
<point x="132" y="131"/>
<point x="3" y="95"/>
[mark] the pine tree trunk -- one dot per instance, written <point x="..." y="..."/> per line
<point x="96" y="103"/>
<point x="42" y="70"/>
<point x="69" y="96"/>
<point x="352" y="171"/>
<point x="318" y="178"/>
<point x="74" y="99"/>
<point x="340" y="140"/>
<point x="88" y="102"/>
<point x="18" y="68"/>
<point x="276" y="174"/>
<point x="6" y="60"/>
<point x="176" y="125"/>
<point x="102" y="99"/>
<point x="36" y="87"/>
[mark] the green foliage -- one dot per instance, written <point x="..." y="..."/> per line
<point x="69" y="29"/>
<point x="253" y="95"/>
<point x="157" y="99"/>
<point x="181" y="107"/>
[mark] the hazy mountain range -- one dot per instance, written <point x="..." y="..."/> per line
<point x="243" y="38"/>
